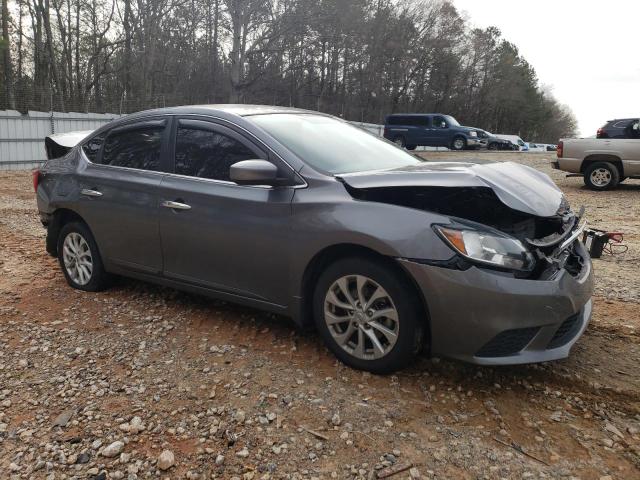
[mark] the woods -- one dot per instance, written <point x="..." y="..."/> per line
<point x="358" y="59"/>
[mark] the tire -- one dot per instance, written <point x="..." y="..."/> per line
<point x="404" y="323"/>
<point x="399" y="141"/>
<point x="493" y="146"/>
<point x="411" y="147"/>
<point x="458" y="143"/>
<point x="76" y="242"/>
<point x="601" y="176"/>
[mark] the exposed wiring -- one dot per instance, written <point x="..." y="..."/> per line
<point x="615" y="248"/>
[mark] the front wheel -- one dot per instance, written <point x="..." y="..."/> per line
<point x="601" y="176"/>
<point x="368" y="315"/>
<point x="79" y="258"/>
<point x="459" y="143"/>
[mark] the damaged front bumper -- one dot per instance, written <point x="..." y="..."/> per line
<point x="490" y="317"/>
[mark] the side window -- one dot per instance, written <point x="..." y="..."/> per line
<point x="208" y="154"/>
<point x="139" y="148"/>
<point x="438" y="122"/>
<point x="633" y="129"/>
<point x="92" y="148"/>
<point x="417" y="121"/>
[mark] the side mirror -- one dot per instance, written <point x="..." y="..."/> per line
<point x="253" y="172"/>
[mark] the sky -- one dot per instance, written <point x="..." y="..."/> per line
<point x="587" y="51"/>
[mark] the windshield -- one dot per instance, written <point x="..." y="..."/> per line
<point x="451" y="121"/>
<point x="333" y="146"/>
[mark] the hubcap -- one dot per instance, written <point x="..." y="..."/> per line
<point x="458" y="144"/>
<point x="361" y="317"/>
<point x="601" y="177"/>
<point x="76" y="256"/>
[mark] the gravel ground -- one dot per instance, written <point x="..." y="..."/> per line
<point x="146" y="382"/>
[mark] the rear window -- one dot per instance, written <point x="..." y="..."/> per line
<point x="139" y="148"/>
<point x="621" y="124"/>
<point x="92" y="148"/>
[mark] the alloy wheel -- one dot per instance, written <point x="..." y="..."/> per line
<point x="77" y="259"/>
<point x="601" y="177"/>
<point x="361" y="317"/>
<point x="458" y="144"/>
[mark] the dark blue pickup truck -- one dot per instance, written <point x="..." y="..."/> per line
<point x="410" y="130"/>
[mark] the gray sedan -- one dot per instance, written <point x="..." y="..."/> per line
<point x="305" y="215"/>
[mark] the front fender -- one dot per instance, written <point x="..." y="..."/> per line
<point x="321" y="221"/>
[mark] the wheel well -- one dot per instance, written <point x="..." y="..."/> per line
<point x="60" y="218"/>
<point x="591" y="159"/>
<point x="336" y="252"/>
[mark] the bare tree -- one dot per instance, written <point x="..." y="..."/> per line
<point x="359" y="59"/>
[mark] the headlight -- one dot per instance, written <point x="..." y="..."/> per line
<point x="490" y="248"/>
<point x="473" y="134"/>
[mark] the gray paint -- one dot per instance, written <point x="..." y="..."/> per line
<point x="253" y="244"/>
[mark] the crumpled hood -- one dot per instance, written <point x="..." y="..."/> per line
<point x="518" y="186"/>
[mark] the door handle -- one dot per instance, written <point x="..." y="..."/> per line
<point x="176" y="205"/>
<point x="90" y="193"/>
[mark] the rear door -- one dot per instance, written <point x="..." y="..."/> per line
<point x="118" y="193"/>
<point x="422" y="130"/>
<point x="218" y="234"/>
<point x="631" y="149"/>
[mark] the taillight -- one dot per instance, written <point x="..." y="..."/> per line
<point x="36" y="178"/>
<point x="560" y="149"/>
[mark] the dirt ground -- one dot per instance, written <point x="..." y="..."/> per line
<point x="99" y="385"/>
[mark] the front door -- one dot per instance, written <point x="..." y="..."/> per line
<point x="118" y="183"/>
<point x="439" y="132"/>
<point x="215" y="233"/>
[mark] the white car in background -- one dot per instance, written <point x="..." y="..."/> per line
<point x="516" y="140"/>
<point x="537" y="147"/>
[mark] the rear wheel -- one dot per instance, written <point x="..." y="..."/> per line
<point x="601" y="176"/>
<point x="459" y="143"/>
<point x="79" y="258"/>
<point x="399" y="141"/>
<point x="493" y="146"/>
<point x="411" y="147"/>
<point x="368" y="315"/>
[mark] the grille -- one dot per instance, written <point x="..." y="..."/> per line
<point x="508" y="342"/>
<point x="565" y="332"/>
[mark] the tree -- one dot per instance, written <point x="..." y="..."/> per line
<point x="360" y="59"/>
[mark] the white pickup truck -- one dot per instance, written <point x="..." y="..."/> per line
<point x="603" y="162"/>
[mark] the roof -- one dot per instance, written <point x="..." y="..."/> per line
<point x="244" y="110"/>
<point x="416" y="114"/>
<point x="233" y="109"/>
